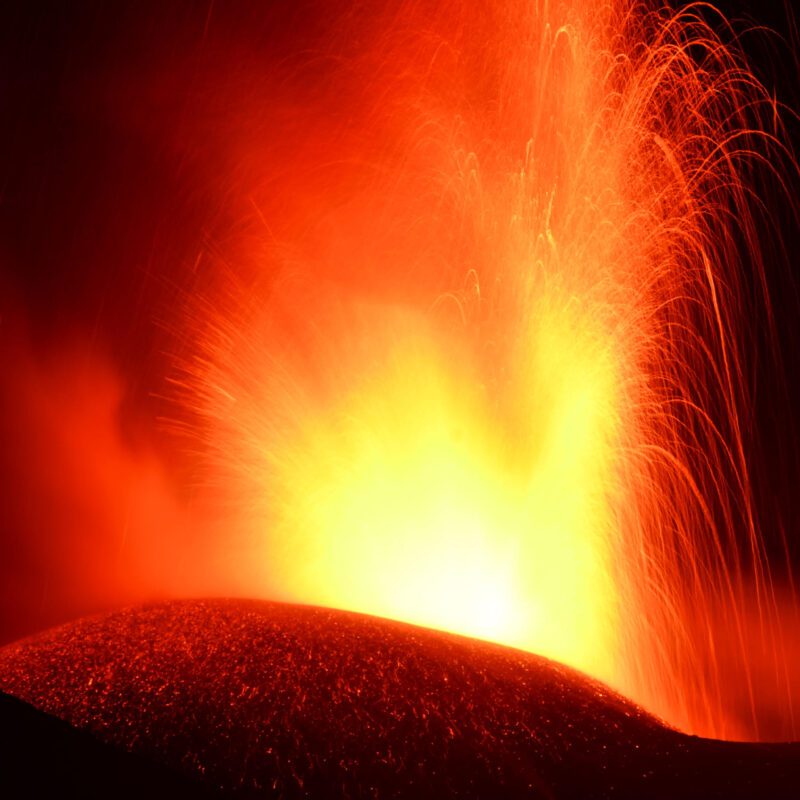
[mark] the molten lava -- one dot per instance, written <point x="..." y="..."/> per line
<point x="421" y="496"/>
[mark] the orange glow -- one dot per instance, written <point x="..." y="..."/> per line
<point x="479" y="368"/>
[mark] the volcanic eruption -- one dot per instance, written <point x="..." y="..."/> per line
<point x="494" y="382"/>
<point x="463" y="316"/>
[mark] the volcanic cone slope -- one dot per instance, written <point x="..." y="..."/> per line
<point x="274" y="700"/>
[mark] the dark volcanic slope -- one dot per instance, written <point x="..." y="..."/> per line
<point x="41" y="756"/>
<point x="290" y="701"/>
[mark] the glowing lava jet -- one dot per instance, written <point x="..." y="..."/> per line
<point x="482" y="373"/>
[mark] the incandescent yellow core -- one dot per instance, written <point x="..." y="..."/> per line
<point x="424" y="495"/>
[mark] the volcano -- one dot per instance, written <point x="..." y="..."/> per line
<point x="262" y="699"/>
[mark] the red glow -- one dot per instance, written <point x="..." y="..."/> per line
<point x="97" y="520"/>
<point x="462" y="340"/>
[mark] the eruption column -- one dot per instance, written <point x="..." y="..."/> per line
<point x="481" y="367"/>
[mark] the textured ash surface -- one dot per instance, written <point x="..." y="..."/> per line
<point x="279" y="700"/>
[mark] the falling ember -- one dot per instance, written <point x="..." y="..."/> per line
<point x="486" y="374"/>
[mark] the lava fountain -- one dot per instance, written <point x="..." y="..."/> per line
<point x="480" y="364"/>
